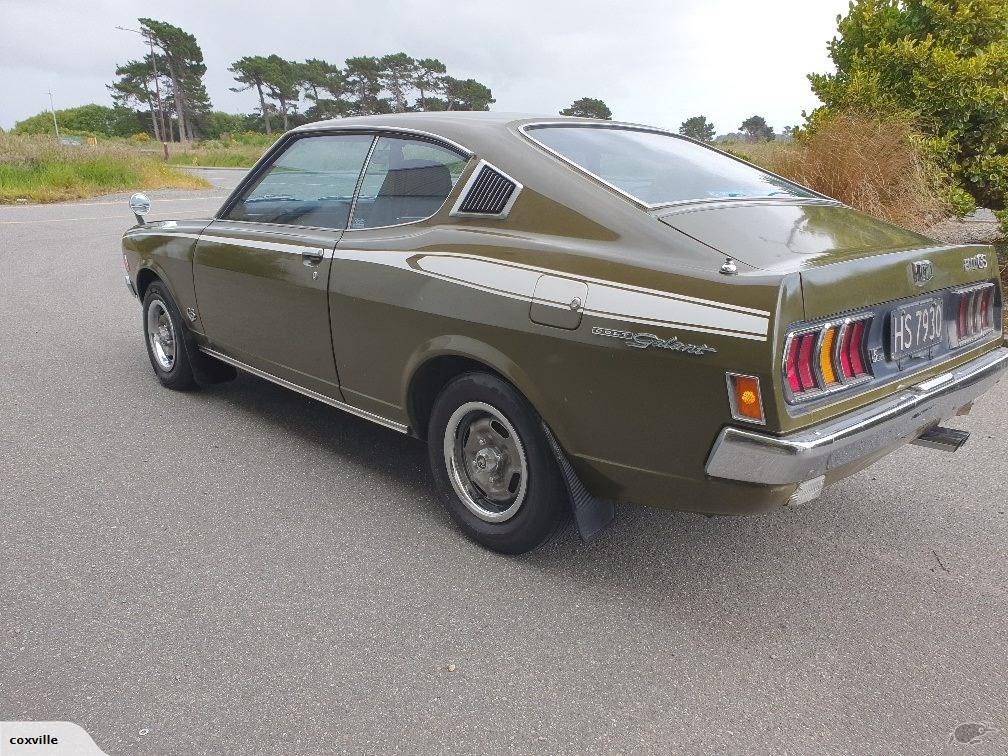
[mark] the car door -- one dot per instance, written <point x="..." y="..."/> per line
<point x="261" y="269"/>
<point x="375" y="298"/>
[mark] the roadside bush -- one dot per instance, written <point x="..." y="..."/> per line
<point x="877" y="163"/>
<point x="92" y="119"/>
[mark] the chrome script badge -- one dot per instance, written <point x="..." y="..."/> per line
<point x="648" y="340"/>
<point x="977" y="262"/>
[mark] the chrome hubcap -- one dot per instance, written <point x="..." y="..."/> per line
<point x="486" y="461"/>
<point x="161" y="334"/>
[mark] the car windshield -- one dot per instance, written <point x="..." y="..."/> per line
<point x="657" y="168"/>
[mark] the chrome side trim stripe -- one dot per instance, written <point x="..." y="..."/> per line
<point x="396" y="426"/>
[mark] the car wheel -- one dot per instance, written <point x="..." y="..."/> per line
<point x="164" y="334"/>
<point x="493" y="466"/>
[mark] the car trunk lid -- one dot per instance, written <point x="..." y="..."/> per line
<point x="829" y="244"/>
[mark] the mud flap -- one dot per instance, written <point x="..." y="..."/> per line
<point x="591" y="515"/>
<point x="206" y="370"/>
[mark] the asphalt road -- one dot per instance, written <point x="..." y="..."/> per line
<point x="244" y="570"/>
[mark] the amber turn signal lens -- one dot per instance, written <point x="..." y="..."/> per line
<point x="747" y="403"/>
<point x="826" y="356"/>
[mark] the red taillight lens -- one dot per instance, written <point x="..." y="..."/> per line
<point x="851" y="349"/>
<point x="855" y="347"/>
<point x="845" y="345"/>
<point x="826" y="358"/>
<point x="975" y="312"/>
<point x="791" y="366"/>
<point x="805" y="361"/>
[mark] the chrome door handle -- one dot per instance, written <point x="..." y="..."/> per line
<point x="312" y="257"/>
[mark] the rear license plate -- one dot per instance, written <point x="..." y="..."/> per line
<point x="915" y="328"/>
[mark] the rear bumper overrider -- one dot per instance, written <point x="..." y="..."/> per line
<point x="809" y="455"/>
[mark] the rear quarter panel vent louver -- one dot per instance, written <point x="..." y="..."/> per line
<point x="489" y="193"/>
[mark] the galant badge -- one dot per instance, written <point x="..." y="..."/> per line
<point x="646" y="340"/>
<point x="922" y="271"/>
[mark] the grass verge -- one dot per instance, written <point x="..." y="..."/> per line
<point x="235" y="151"/>
<point x="35" y="169"/>
<point x="215" y="158"/>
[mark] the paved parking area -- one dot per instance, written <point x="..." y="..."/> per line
<point x="244" y="570"/>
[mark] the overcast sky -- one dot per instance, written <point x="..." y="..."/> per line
<point x="652" y="62"/>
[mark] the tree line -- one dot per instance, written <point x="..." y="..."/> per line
<point x="163" y="93"/>
<point x="166" y="86"/>
<point x="364" y="85"/>
<point x="753" y="129"/>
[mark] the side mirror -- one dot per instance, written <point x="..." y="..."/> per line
<point x="140" y="205"/>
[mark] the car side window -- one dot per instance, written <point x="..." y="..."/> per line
<point x="405" y="180"/>
<point x="311" y="183"/>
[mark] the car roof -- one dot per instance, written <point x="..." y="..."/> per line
<point x="462" y="126"/>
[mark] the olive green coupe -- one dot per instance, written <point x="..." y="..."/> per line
<point x="573" y="313"/>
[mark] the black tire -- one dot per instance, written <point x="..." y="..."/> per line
<point x="177" y="373"/>
<point x="543" y="503"/>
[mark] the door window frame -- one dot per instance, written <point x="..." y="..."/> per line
<point x="264" y="163"/>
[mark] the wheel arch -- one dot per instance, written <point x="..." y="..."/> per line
<point x="436" y="363"/>
<point x="145" y="277"/>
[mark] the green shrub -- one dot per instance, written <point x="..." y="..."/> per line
<point x="946" y="63"/>
<point x="86" y="120"/>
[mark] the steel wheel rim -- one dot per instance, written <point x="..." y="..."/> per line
<point x="161" y="335"/>
<point x="486" y="462"/>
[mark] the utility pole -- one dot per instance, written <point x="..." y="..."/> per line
<point x="157" y="86"/>
<point x="52" y="109"/>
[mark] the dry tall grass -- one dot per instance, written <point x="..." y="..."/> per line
<point x="37" y="169"/>
<point x="875" y="164"/>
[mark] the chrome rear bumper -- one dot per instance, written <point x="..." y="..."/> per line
<point x="751" y="457"/>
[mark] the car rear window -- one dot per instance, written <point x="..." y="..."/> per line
<point x="658" y="168"/>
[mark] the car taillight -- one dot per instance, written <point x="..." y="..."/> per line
<point x="855" y="348"/>
<point x="826" y="358"/>
<point x="805" y="362"/>
<point x="791" y="365"/>
<point x="975" y="312"/>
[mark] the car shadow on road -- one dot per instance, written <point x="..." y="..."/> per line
<point x="641" y="538"/>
